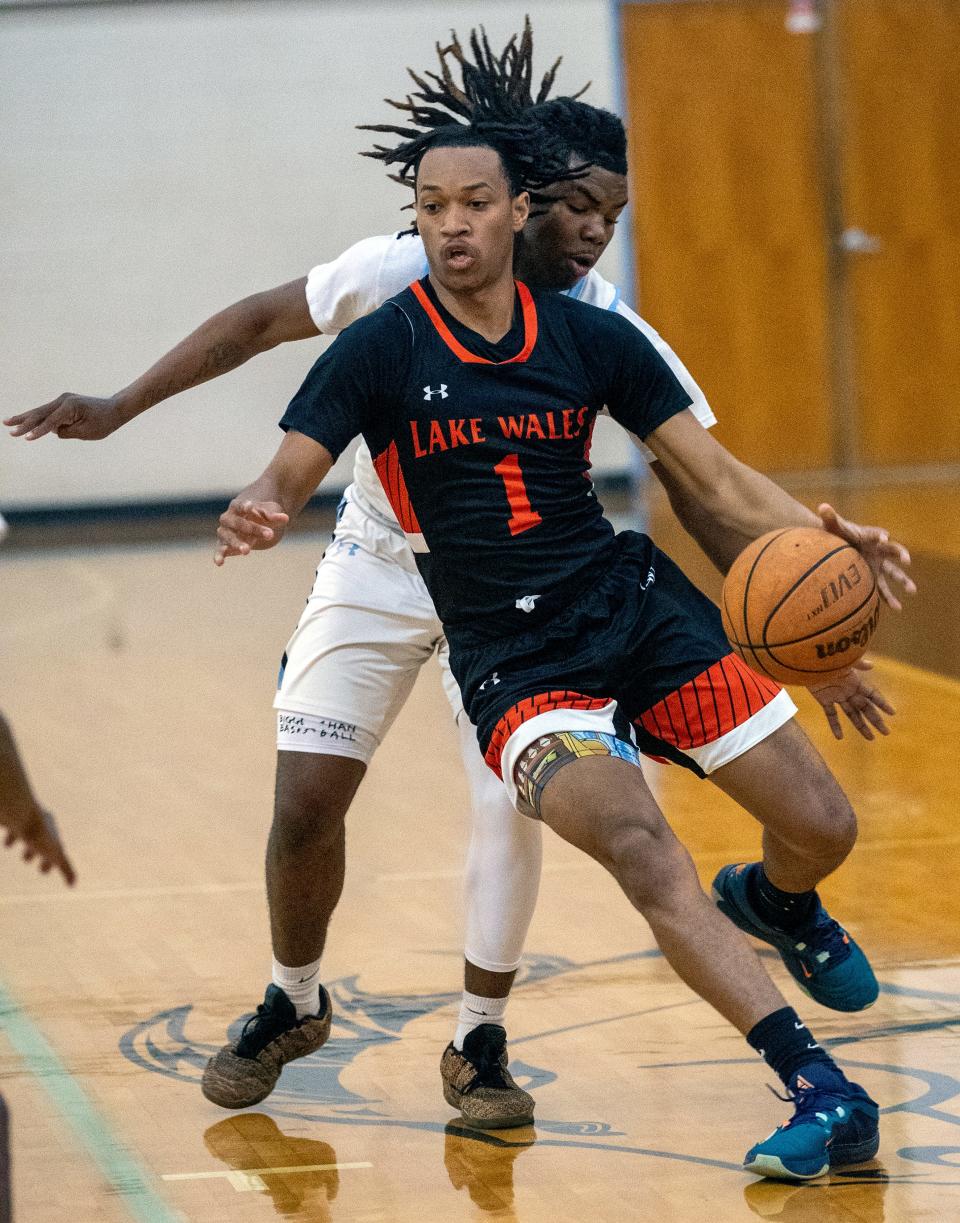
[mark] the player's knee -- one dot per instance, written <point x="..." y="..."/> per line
<point x="303" y="826"/>
<point x="312" y="797"/>
<point x="647" y="861"/>
<point x="838" y="826"/>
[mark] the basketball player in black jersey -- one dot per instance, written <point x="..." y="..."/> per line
<point x="558" y="246"/>
<point x="573" y="645"/>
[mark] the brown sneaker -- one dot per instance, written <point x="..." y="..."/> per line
<point x="478" y="1082"/>
<point x="245" y="1072"/>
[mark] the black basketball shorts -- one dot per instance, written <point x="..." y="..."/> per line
<point x="640" y="654"/>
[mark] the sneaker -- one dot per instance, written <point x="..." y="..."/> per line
<point x="246" y="1071"/>
<point x="821" y="957"/>
<point x="478" y="1083"/>
<point x="827" y="1130"/>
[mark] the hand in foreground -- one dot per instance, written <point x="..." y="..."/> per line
<point x="884" y="555"/>
<point x="249" y="526"/>
<point x="39" y="834"/>
<point x="863" y="704"/>
<point x="73" y="416"/>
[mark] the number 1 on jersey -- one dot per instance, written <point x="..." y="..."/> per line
<point x="523" y="516"/>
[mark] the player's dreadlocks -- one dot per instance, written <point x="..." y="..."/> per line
<point x="498" y="89"/>
<point x="492" y="86"/>
<point x="495" y="104"/>
<point x="531" y="156"/>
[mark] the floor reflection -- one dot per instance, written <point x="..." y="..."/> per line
<point x="823" y="1201"/>
<point x="269" y="1161"/>
<point x="482" y="1164"/>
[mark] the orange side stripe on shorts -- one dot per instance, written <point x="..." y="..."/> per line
<point x="530" y="707"/>
<point x="710" y="705"/>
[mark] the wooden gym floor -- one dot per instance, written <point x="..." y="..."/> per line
<point x="139" y="683"/>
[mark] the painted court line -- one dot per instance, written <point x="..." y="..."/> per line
<point x="62" y="896"/>
<point x="245" y="1180"/>
<point x="125" y="1175"/>
<point x="549" y="868"/>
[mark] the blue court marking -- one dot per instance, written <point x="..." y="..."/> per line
<point x="126" y="1177"/>
<point x="312" y="1091"/>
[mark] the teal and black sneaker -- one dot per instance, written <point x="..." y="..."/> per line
<point x="829" y="1129"/>
<point x="821" y="957"/>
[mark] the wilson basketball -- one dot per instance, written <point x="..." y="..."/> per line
<point x="800" y="605"/>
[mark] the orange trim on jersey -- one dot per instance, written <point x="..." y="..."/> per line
<point x="710" y="705"/>
<point x="529" y="327"/>
<point x="388" y="468"/>
<point x="530" y="707"/>
<point x="587" y="445"/>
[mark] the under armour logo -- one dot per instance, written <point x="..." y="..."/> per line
<point x="494" y="679"/>
<point x="526" y="603"/>
<point x="429" y="392"/>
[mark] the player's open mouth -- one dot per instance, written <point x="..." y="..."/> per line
<point x="581" y="263"/>
<point x="458" y="258"/>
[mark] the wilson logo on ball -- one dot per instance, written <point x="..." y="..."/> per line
<point x="859" y="638"/>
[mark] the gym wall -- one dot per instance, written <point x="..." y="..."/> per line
<point x="161" y="160"/>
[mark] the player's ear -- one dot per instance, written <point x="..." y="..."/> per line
<point x="521" y="210"/>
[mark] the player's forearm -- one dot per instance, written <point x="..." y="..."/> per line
<point x="746" y="504"/>
<point x="292" y="476"/>
<point x="719" y="546"/>
<point x="222" y="343"/>
<point x="726" y="503"/>
<point x="721" y="540"/>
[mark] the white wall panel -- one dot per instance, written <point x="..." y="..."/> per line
<point x="162" y="160"/>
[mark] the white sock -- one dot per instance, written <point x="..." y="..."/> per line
<point x="474" y="1011"/>
<point x="301" y="985"/>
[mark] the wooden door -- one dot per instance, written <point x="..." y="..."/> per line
<point x="900" y="107"/>
<point x="728" y="223"/>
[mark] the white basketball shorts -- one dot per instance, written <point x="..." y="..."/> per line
<point x="368" y="628"/>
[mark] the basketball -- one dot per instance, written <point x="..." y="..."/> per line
<point x="800" y="605"/>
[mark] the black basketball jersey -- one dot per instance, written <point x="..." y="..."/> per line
<point x="484" y="449"/>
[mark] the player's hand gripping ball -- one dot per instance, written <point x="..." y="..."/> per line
<point x="800" y="605"/>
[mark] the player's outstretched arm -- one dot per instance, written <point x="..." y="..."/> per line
<point x="225" y="341"/>
<point x="742" y="504"/>
<point x="258" y="516"/>
<point x="23" y="817"/>
<point x="727" y="504"/>
<point x="720" y="546"/>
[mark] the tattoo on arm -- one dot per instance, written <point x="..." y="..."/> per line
<point x="219" y="358"/>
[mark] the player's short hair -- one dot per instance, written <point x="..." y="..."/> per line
<point x="591" y="133"/>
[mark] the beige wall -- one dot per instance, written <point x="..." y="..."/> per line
<point x="160" y="161"/>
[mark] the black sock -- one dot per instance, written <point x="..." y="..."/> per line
<point x="785" y="910"/>
<point x="788" y="1048"/>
